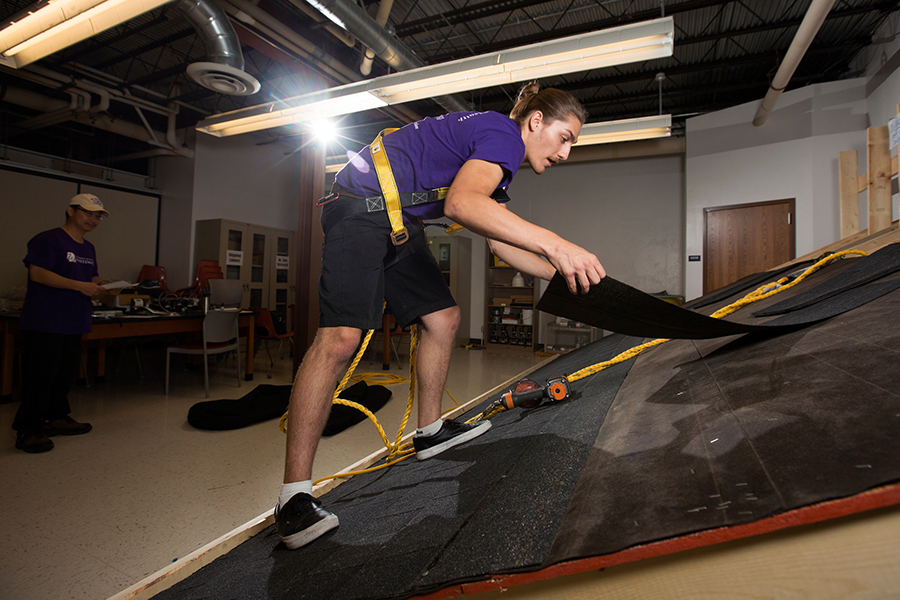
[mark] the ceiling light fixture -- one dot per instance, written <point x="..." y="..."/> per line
<point x="625" y="130"/>
<point x="53" y="25"/>
<point x="605" y="48"/>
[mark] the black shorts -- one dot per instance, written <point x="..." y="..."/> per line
<point x="361" y="268"/>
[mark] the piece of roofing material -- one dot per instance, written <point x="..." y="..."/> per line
<point x="616" y="306"/>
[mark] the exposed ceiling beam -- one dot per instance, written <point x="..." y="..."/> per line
<point x="881" y="7"/>
<point x="159" y="43"/>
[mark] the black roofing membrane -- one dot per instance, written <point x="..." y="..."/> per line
<point x="691" y="435"/>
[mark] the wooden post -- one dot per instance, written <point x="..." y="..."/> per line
<point x="848" y="168"/>
<point x="312" y="188"/>
<point x="879" y="159"/>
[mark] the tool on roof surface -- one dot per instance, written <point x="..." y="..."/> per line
<point x="528" y="393"/>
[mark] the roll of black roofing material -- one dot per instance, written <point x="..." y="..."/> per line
<point x="615" y="306"/>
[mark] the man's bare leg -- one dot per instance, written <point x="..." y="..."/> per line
<point x="433" y="361"/>
<point x="437" y="335"/>
<point x="299" y="518"/>
<point x="311" y="396"/>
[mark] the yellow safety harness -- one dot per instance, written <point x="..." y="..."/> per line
<point x="388" y="185"/>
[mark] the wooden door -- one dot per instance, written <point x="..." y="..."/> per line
<point x="746" y="239"/>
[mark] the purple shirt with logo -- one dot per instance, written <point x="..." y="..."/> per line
<point x="428" y="154"/>
<point x="54" y="310"/>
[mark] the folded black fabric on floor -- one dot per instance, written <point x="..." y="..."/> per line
<point x="866" y="269"/>
<point x="267" y="402"/>
<point x="341" y="417"/>
<point x="263" y="403"/>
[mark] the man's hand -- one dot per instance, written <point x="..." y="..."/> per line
<point x="577" y="265"/>
<point x="90" y="289"/>
<point x="469" y="203"/>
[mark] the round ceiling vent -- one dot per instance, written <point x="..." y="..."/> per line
<point x="223" y="79"/>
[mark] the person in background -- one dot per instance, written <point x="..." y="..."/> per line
<point x="62" y="282"/>
<point x="475" y="155"/>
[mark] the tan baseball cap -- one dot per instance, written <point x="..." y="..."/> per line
<point x="89" y="202"/>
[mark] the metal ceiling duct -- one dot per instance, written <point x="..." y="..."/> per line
<point x="355" y="20"/>
<point x="809" y="27"/>
<point x="384" y="11"/>
<point x="223" y="71"/>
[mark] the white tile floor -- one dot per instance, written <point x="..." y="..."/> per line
<point x="104" y="510"/>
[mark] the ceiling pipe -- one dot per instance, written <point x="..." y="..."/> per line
<point x="810" y="25"/>
<point x="297" y="43"/>
<point x="58" y="115"/>
<point x="224" y="70"/>
<point x="384" y="11"/>
<point x="121" y="83"/>
<point x="264" y="24"/>
<point x="36" y="101"/>
<point x="334" y="30"/>
<point x="355" y="20"/>
<point x="59" y="81"/>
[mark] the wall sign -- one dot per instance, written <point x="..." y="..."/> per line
<point x="894" y="130"/>
<point x="234" y="258"/>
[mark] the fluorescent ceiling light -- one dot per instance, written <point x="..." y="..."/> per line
<point x="625" y="130"/>
<point x="312" y="111"/>
<point x="620" y="45"/>
<point x="57" y="24"/>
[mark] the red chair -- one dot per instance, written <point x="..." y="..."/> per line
<point x="206" y="270"/>
<point x="154" y="273"/>
<point x="264" y="322"/>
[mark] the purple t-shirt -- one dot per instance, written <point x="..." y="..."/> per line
<point x="428" y="154"/>
<point x="54" y="310"/>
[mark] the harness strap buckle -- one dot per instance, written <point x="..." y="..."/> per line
<point x="400" y="237"/>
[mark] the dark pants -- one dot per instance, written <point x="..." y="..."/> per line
<point x="49" y="368"/>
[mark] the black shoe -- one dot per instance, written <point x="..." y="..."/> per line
<point x="34" y="442"/>
<point x="450" y="434"/>
<point x="302" y="520"/>
<point x="65" y="426"/>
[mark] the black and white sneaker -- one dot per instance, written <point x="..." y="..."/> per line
<point x="302" y="520"/>
<point x="450" y="434"/>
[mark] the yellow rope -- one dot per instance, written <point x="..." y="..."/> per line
<point x="413" y="345"/>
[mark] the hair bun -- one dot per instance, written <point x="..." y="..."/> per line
<point x="528" y="90"/>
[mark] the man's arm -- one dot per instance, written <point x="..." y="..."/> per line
<point x="523" y="260"/>
<point x="51" y="279"/>
<point x="469" y="203"/>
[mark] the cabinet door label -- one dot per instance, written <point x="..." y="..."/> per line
<point x="234" y="258"/>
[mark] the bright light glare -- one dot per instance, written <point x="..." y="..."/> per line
<point x="324" y="130"/>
